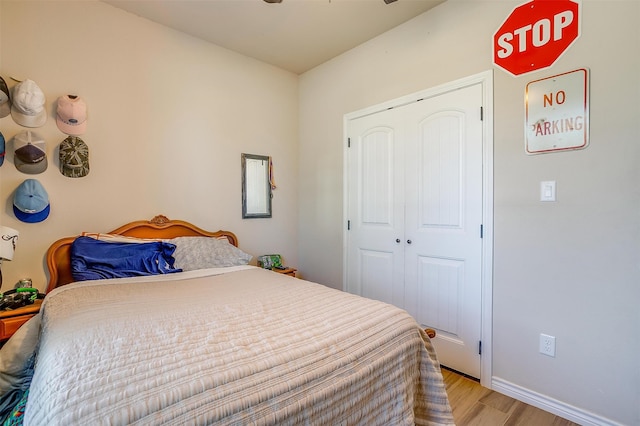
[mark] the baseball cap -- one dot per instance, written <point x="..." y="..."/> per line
<point x="5" y="99"/>
<point x="2" y="148"/>
<point x="31" y="202"/>
<point x="29" y="152"/>
<point x="71" y="115"/>
<point x="27" y="104"/>
<point x="74" y="157"/>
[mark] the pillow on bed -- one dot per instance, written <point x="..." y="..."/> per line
<point x="115" y="238"/>
<point x="16" y="364"/>
<point x="93" y="259"/>
<point x="203" y="252"/>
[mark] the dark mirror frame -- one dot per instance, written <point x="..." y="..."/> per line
<point x="256" y="186"/>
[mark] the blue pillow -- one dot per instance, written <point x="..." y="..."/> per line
<point x="93" y="259"/>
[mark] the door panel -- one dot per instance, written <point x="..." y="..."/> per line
<point x="443" y="265"/>
<point x="375" y="185"/>
<point x="377" y="177"/>
<point x="439" y="290"/>
<point x="376" y="273"/>
<point x="440" y="194"/>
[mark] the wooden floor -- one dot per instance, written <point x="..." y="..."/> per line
<point x="474" y="405"/>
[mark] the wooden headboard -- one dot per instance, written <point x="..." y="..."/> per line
<point x="58" y="254"/>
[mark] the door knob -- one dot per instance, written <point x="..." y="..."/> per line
<point x="397" y="240"/>
<point x="408" y="241"/>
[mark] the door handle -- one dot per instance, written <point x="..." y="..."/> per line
<point x="397" y="240"/>
<point x="408" y="241"/>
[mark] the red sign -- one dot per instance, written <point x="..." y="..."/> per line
<point x="535" y="35"/>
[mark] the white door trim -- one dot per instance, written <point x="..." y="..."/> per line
<point x="486" y="80"/>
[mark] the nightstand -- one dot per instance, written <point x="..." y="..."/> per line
<point x="289" y="271"/>
<point x="10" y="321"/>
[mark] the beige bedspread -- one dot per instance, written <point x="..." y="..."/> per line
<point x="247" y="346"/>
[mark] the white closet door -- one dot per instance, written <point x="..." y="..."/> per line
<point x="376" y="208"/>
<point x="443" y="262"/>
<point x="415" y="210"/>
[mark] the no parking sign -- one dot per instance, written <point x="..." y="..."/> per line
<point x="557" y="113"/>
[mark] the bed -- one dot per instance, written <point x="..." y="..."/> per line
<point x="229" y="345"/>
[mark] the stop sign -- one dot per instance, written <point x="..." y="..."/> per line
<point x="535" y="35"/>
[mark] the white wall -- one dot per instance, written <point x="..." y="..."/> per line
<point x="169" y="116"/>
<point x="569" y="269"/>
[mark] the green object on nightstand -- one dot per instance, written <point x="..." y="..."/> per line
<point x="270" y="261"/>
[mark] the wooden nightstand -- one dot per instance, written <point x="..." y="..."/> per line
<point x="289" y="271"/>
<point x="10" y="321"/>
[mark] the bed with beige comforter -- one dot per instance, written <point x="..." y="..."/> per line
<point x="230" y="346"/>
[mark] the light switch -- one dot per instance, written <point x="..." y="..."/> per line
<point x="548" y="190"/>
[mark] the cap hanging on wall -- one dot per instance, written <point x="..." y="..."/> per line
<point x="3" y="146"/>
<point x="8" y="239"/>
<point x="5" y="99"/>
<point x="30" y="152"/>
<point x="74" y="157"/>
<point x="71" y="115"/>
<point x="31" y="202"/>
<point x="27" y="104"/>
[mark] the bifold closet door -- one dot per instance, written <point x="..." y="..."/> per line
<point x="443" y="219"/>
<point x="415" y="213"/>
<point x="375" y="246"/>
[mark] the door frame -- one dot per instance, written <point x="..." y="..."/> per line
<point x="486" y="80"/>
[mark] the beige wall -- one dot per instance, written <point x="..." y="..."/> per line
<point x="169" y="116"/>
<point x="571" y="268"/>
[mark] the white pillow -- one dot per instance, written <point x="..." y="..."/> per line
<point x="203" y="252"/>
<point x="115" y="238"/>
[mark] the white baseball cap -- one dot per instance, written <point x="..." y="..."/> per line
<point x="27" y="104"/>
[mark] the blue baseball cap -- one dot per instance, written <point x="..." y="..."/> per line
<point x="2" y="148"/>
<point x="31" y="202"/>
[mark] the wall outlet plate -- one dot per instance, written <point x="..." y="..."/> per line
<point x="547" y="345"/>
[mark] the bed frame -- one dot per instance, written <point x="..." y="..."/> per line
<point x="59" y="259"/>
<point x="58" y="254"/>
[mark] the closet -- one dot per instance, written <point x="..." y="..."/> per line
<point x="414" y="208"/>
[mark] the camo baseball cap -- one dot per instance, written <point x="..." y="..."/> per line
<point x="74" y="157"/>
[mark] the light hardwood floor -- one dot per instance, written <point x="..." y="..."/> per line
<point x="474" y="405"/>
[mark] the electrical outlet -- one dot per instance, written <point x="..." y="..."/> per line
<point x="547" y="345"/>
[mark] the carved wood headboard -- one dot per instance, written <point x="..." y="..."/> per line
<point x="160" y="227"/>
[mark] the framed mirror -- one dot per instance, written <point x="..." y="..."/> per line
<point x="256" y="188"/>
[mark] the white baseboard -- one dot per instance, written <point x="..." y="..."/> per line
<point x="559" y="408"/>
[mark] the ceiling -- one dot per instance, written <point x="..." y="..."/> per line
<point x="295" y="35"/>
